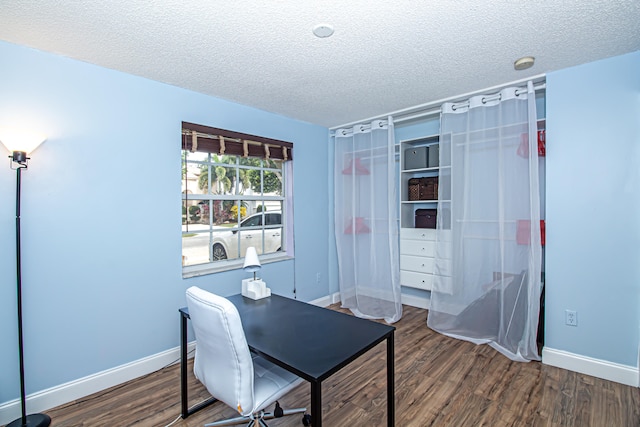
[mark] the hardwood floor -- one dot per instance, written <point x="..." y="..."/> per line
<point x="439" y="382"/>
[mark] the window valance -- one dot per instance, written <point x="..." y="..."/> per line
<point x="220" y="141"/>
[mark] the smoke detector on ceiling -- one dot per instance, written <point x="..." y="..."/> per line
<point x="524" y="63"/>
<point x="323" y="30"/>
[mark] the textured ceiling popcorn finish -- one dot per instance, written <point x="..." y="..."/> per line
<point x="384" y="55"/>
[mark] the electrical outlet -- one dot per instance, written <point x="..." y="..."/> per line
<point x="571" y="317"/>
<point x="317" y="278"/>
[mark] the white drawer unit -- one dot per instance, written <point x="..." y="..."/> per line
<point x="417" y="252"/>
<point x="420" y="158"/>
<point x="416" y="280"/>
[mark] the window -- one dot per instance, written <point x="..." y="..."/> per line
<point x="234" y="195"/>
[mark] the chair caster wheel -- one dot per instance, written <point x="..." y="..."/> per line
<point x="306" y="420"/>
<point x="278" y="412"/>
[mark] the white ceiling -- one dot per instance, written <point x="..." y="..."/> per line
<point x="384" y="55"/>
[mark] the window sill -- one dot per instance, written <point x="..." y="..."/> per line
<point x="236" y="264"/>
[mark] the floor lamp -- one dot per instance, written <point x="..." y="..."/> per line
<point x="20" y="144"/>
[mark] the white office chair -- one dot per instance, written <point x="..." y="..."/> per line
<point x="226" y="367"/>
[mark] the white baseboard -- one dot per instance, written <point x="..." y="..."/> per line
<point x="64" y="393"/>
<point x="606" y="370"/>
<point x="44" y="400"/>
<point x="59" y="395"/>
<point x="414" y="301"/>
<point x="326" y="301"/>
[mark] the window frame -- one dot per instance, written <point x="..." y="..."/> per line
<point x="282" y="153"/>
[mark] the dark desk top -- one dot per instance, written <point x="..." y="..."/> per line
<point x="311" y="341"/>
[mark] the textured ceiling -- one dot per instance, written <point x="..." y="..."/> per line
<point x="384" y="55"/>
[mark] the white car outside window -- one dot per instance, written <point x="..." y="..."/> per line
<point x="250" y="233"/>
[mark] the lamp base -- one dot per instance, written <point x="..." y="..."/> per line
<point x="255" y="289"/>
<point x="33" y="420"/>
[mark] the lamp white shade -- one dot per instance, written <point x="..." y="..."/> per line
<point x="20" y="140"/>
<point x="251" y="261"/>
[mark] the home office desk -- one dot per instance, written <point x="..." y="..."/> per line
<point x="310" y="341"/>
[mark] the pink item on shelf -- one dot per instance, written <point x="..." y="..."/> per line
<point x="523" y="230"/>
<point x="523" y="149"/>
<point x="356" y="168"/>
<point x="360" y="227"/>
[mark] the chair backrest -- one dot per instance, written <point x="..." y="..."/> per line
<point x="223" y="361"/>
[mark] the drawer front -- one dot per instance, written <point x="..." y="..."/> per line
<point x="417" y="248"/>
<point x="416" y="263"/>
<point x="424" y="234"/>
<point x="418" y="234"/>
<point x="416" y="280"/>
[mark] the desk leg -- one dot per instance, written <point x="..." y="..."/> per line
<point x="183" y="366"/>
<point x="184" y="399"/>
<point x="391" y="396"/>
<point x="316" y="404"/>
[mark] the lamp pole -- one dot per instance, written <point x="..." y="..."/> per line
<point x="34" y="420"/>
<point x="19" y="291"/>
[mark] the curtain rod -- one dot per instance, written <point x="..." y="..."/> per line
<point x="432" y="108"/>
<point x="435" y="111"/>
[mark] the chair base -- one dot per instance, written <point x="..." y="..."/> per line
<point x="256" y="419"/>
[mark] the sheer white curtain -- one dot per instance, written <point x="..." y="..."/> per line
<point x="366" y="220"/>
<point x="487" y="281"/>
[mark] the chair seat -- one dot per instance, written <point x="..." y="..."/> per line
<point x="270" y="383"/>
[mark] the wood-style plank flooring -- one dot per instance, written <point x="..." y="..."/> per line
<point x="439" y="382"/>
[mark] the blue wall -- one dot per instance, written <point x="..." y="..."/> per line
<point x="593" y="209"/>
<point x="101" y="215"/>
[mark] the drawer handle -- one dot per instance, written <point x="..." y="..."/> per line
<point x="423" y="235"/>
<point x="423" y="265"/>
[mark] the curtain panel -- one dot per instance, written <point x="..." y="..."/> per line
<point x="366" y="220"/>
<point x="487" y="280"/>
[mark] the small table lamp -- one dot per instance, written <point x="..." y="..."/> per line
<point x="253" y="288"/>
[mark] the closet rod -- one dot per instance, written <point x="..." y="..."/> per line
<point x="438" y="110"/>
<point x="420" y="115"/>
<point x="427" y="109"/>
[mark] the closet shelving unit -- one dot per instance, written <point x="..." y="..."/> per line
<point x="408" y="207"/>
<point x="417" y="245"/>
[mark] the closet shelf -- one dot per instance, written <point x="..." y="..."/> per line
<point x="435" y="169"/>
<point x="417" y="202"/>
<point x="541" y="124"/>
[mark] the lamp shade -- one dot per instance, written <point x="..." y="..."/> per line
<point x="20" y="140"/>
<point x="251" y="261"/>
